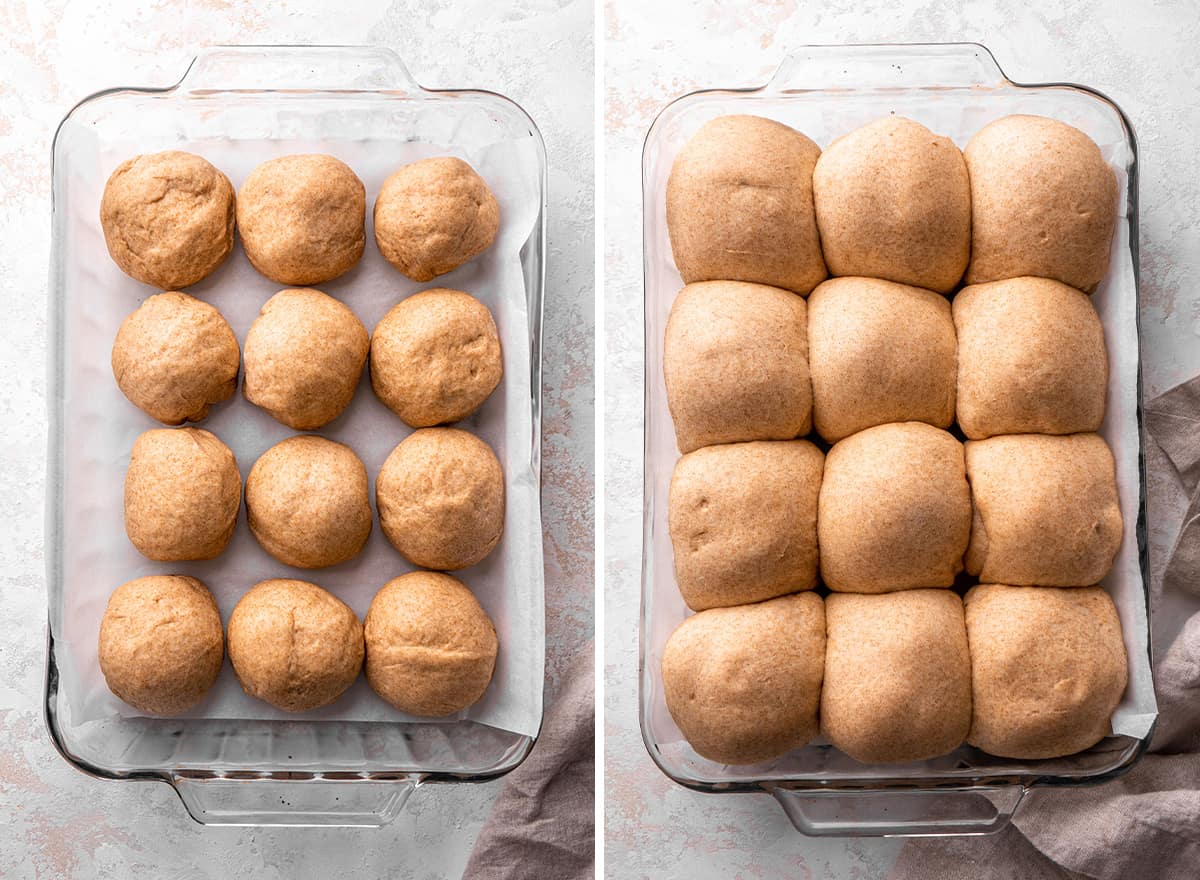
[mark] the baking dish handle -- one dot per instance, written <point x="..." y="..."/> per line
<point x="915" y="65"/>
<point x="298" y="69"/>
<point x="296" y="802"/>
<point x="896" y="813"/>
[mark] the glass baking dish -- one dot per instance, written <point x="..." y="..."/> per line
<point x="826" y="91"/>
<point x="306" y="771"/>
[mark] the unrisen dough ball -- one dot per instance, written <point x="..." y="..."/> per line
<point x="174" y="357"/>
<point x="161" y="643"/>
<point x="434" y="215"/>
<point x="435" y="357"/>
<point x="182" y="494"/>
<point x="735" y="361"/>
<point x="740" y="205"/>
<point x="879" y="352"/>
<point x="308" y="502"/>
<point x="294" y="645"/>
<point x="302" y="218"/>
<point x="743" y="683"/>
<point x="1048" y="669"/>
<point x="431" y="648"/>
<point x="168" y="218"/>
<point x="304" y="355"/>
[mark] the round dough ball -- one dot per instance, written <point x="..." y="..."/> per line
<point x="294" y="645"/>
<point x="897" y="675"/>
<point x="431" y="648"/>
<point x="735" y="361"/>
<point x="182" y="494"/>
<point x="302" y="218"/>
<point x="1046" y="510"/>
<point x="740" y="205"/>
<point x="434" y="215"/>
<point x="161" y="643"/>
<point x="1048" y="669"/>
<point x="894" y="511"/>
<point x="1043" y="202"/>
<point x="435" y="357"/>
<point x="440" y="496"/>
<point x="174" y="357"/>
<point x="304" y="355"/>
<point x="1031" y="359"/>
<point x="308" y="502"/>
<point x="893" y="201"/>
<point x="743" y="521"/>
<point x="879" y="352"/>
<point x="743" y="683"/>
<point x="168" y="218"/>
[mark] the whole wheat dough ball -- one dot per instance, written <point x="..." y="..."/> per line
<point x="743" y="683"/>
<point x="308" y="502"/>
<point x="440" y="496"/>
<point x="294" y="645"/>
<point x="182" y="494"/>
<point x="304" y="355"/>
<point x="435" y="357"/>
<point x="174" y="357"/>
<point x="879" y="352"/>
<point x="1048" y="669"/>
<point x="897" y="675"/>
<point x="735" y="361"/>
<point x="1031" y="359"/>
<point x="1043" y="202"/>
<point x="431" y="648"/>
<point x="434" y="215"/>
<point x="893" y="201"/>
<point x="743" y="521"/>
<point x="894" y="511"/>
<point x="1046" y="510"/>
<point x="302" y="218"/>
<point x="168" y="218"/>
<point x="161" y="643"/>
<point x="740" y="205"/>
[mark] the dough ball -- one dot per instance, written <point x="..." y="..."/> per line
<point x="1047" y="669"/>
<point x="735" y="361"/>
<point x="740" y="205"/>
<point x="894" y="511"/>
<point x="168" y="218"/>
<point x="743" y="521"/>
<point x="294" y="645"/>
<point x="893" y="201"/>
<point x="1046" y="510"/>
<point x="879" y="352"/>
<point x="431" y="648"/>
<point x="1031" y="359"/>
<point x="435" y="357"/>
<point x="304" y="355"/>
<point x="1043" y="202"/>
<point x="440" y="496"/>
<point x="743" y="683"/>
<point x="302" y="218"/>
<point x="174" y="357"/>
<point x="182" y="494"/>
<point x="308" y="502"/>
<point x="434" y="215"/>
<point x="161" y="643"/>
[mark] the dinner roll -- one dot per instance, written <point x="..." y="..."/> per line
<point x="893" y="201"/>
<point x="894" y="511"/>
<point x="1046" y="510"/>
<point x="1048" y="669"/>
<point x="740" y="205"/>
<point x="735" y="361"/>
<point x="1043" y="202"/>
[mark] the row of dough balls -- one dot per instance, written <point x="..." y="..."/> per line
<point x="440" y="496"/>
<point x="1019" y="672"/>
<point x="429" y="647"/>
<point x="169" y="218"/>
